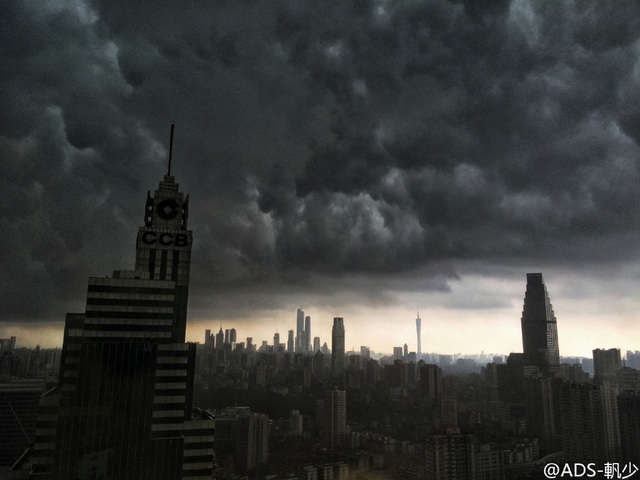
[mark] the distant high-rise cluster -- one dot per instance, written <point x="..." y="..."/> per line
<point x="303" y="333"/>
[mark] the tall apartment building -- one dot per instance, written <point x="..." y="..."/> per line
<point x="606" y="363"/>
<point x="543" y="411"/>
<point x="629" y="421"/>
<point x="539" y="329"/>
<point x="252" y="447"/>
<point x="449" y="456"/>
<point x="431" y="381"/>
<point x="335" y="418"/>
<point x="590" y="428"/>
<point x="123" y="406"/>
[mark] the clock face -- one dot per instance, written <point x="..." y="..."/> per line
<point x="168" y="209"/>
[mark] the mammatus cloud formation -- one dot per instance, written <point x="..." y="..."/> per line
<point x="321" y="143"/>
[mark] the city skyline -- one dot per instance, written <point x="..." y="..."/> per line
<point x="324" y="325"/>
<point x="361" y="160"/>
<point x="507" y="339"/>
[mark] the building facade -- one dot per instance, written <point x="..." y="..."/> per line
<point x="539" y="328"/>
<point x="337" y="346"/>
<point x="252" y="440"/>
<point x="335" y="418"/>
<point x="123" y="405"/>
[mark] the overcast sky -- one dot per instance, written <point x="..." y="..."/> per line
<point x="362" y="159"/>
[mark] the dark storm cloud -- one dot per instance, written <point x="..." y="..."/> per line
<point x="318" y="140"/>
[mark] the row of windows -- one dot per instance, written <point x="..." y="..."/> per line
<point x="125" y="321"/>
<point x="133" y="296"/>
<point x="165" y="287"/>
<point x="139" y="315"/>
<point x="118" y="311"/>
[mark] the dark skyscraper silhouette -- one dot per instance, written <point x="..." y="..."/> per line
<point x="337" y="346"/>
<point x="299" y="329"/>
<point x="123" y="406"/>
<point x="307" y="334"/>
<point x="539" y="328"/>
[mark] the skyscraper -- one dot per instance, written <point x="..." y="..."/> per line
<point x="123" y="406"/>
<point x="337" y="346"/>
<point x="307" y="334"/>
<point x="290" y="342"/>
<point x="299" y="329"/>
<point x="220" y="339"/>
<point x="539" y="328"/>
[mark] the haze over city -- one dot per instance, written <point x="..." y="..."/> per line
<point x="364" y="160"/>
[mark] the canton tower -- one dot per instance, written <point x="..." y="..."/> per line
<point x="418" y="329"/>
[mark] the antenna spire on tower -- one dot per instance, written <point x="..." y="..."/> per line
<point x="171" y="148"/>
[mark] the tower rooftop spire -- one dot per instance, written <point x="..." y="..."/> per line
<point x="173" y="124"/>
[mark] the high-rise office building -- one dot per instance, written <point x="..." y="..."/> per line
<point x="337" y="346"/>
<point x="539" y="328"/>
<point x="290" y="342"/>
<point x="307" y="334"/>
<point x="220" y="339"/>
<point x="418" y="331"/>
<point x="299" y="329"/>
<point x="397" y="353"/>
<point x="123" y="406"/>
